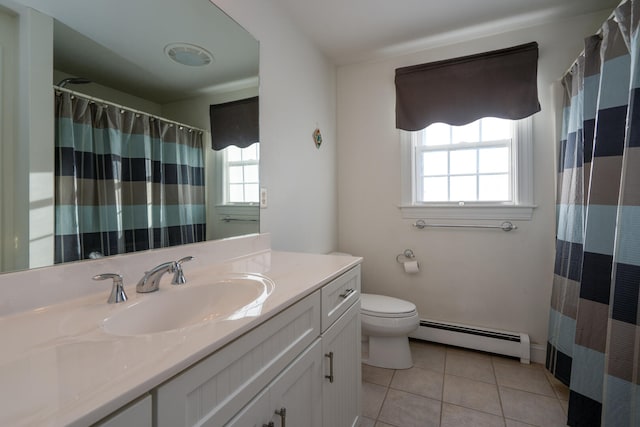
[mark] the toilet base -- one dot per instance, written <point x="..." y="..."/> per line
<point x="389" y="352"/>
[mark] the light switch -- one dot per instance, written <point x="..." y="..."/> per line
<point x="263" y="197"/>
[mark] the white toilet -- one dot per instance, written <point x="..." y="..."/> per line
<point x="387" y="323"/>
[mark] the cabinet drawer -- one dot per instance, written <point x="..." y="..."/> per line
<point x="339" y="295"/>
<point x="212" y="391"/>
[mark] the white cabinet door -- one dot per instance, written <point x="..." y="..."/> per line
<point x="293" y="398"/>
<point x="298" y="390"/>
<point x="136" y="414"/>
<point x="257" y="413"/>
<point x="342" y="384"/>
<point x="211" y="392"/>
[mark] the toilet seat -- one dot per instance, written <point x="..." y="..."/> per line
<point x="385" y="306"/>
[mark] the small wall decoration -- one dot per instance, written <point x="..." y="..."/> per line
<point x="317" y="137"/>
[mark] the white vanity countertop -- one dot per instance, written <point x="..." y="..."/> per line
<point x="59" y="367"/>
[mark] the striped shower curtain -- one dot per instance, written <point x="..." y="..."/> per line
<point x="594" y="338"/>
<point x="124" y="181"/>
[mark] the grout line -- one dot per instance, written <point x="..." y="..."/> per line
<point x="444" y="375"/>
<point x="495" y="378"/>
<point x="386" y="392"/>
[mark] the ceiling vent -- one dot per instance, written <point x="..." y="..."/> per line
<point x="188" y="54"/>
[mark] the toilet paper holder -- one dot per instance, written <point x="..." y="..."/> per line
<point x="407" y="255"/>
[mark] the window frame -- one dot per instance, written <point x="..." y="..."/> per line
<point x="520" y="208"/>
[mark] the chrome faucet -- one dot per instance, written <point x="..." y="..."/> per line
<point x="150" y="282"/>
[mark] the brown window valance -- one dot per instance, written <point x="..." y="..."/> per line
<point x="234" y="123"/>
<point x="501" y="83"/>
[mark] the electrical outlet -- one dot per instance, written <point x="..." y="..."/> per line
<point x="263" y="198"/>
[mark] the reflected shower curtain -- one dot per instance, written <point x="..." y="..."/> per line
<point x="124" y="181"/>
<point x="594" y="338"/>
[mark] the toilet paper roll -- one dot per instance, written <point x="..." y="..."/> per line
<point x="411" y="267"/>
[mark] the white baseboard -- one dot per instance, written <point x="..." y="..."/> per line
<point x="514" y="344"/>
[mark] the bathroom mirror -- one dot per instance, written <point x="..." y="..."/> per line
<point x="125" y="49"/>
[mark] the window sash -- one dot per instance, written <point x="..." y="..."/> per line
<point x="419" y="174"/>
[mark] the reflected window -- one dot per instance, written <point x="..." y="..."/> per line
<point x="241" y="174"/>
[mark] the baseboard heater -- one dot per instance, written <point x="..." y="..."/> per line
<point x="490" y="340"/>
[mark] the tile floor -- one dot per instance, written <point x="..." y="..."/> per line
<point x="454" y="387"/>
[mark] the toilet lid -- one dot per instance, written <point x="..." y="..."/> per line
<point x="384" y="306"/>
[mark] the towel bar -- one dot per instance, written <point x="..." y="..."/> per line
<point x="229" y="219"/>
<point x="505" y="226"/>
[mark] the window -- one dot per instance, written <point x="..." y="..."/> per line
<point x="241" y="174"/>
<point x="470" y="163"/>
<point x="480" y="170"/>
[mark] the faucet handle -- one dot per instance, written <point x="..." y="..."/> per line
<point x="178" y="274"/>
<point x="117" y="290"/>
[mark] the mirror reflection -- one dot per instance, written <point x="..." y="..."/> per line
<point x="128" y="163"/>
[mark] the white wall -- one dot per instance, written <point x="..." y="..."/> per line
<point x="480" y="277"/>
<point x="27" y="172"/>
<point x="8" y="132"/>
<point x="297" y="94"/>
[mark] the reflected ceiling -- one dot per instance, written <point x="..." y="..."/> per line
<point x="121" y="43"/>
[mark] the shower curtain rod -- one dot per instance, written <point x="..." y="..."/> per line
<point x="102" y="101"/>
<point x="611" y="15"/>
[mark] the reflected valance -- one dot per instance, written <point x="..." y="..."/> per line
<point x="500" y="83"/>
<point x="234" y="123"/>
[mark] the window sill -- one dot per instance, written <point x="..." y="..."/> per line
<point x="500" y="212"/>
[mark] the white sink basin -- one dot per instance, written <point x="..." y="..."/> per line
<point x="229" y="298"/>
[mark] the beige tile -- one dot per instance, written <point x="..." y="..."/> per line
<point x="565" y="406"/>
<point x="375" y="375"/>
<point x="403" y="409"/>
<point x="372" y="398"/>
<point x="562" y="391"/>
<point x="470" y="364"/>
<point x="514" y="423"/>
<point x="428" y="355"/>
<point x="471" y="394"/>
<point x="419" y="381"/>
<point x="366" y="422"/>
<point x="457" y="416"/>
<point x="526" y="378"/>
<point x="532" y="408"/>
